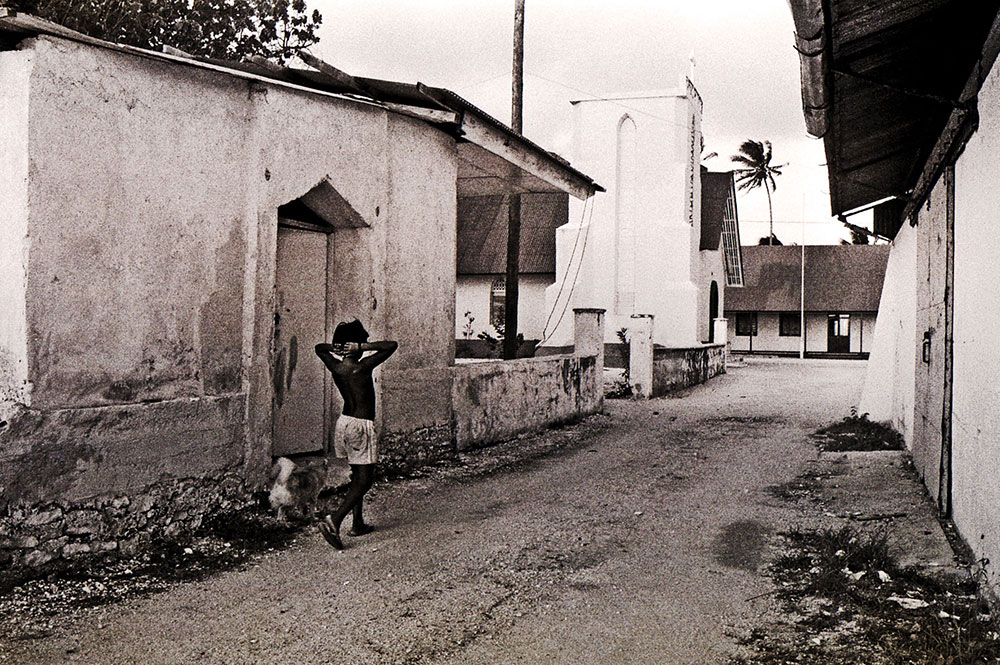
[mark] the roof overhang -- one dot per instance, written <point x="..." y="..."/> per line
<point x="492" y="157"/>
<point x="891" y="88"/>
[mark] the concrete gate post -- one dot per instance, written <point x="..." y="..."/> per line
<point x="588" y="335"/>
<point x="640" y="360"/>
<point x="721" y="336"/>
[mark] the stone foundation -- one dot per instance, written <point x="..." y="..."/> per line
<point x="36" y="535"/>
<point x="405" y="451"/>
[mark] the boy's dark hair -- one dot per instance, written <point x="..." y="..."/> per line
<point x="350" y="331"/>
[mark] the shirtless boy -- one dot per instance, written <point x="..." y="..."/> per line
<point x="354" y="435"/>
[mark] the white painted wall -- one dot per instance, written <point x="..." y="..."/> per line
<point x="15" y="70"/>
<point x="887" y="395"/>
<point x="976" y="396"/>
<point x="657" y="201"/>
<point x="472" y="294"/>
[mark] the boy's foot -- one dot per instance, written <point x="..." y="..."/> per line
<point x="330" y="533"/>
<point x="360" y="529"/>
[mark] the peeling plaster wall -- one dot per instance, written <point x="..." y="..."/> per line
<point x="137" y="247"/>
<point x="149" y="285"/>
<point x="15" y="71"/>
<point x="494" y="401"/>
<point x="674" y="368"/>
<point x="420" y="278"/>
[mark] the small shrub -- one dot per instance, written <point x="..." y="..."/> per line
<point x="857" y="432"/>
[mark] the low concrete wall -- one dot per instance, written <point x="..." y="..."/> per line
<point x="676" y="368"/>
<point x="493" y="401"/>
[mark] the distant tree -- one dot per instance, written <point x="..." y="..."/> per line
<point x="859" y="235"/>
<point x="223" y="29"/>
<point x="758" y="171"/>
<point x="769" y="240"/>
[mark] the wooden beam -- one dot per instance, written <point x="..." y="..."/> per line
<point x="341" y="77"/>
<point x="524" y="157"/>
<point x="427" y="115"/>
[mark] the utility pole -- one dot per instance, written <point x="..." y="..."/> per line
<point x="514" y="207"/>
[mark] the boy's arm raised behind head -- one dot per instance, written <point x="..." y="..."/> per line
<point x="325" y="353"/>
<point x="382" y="352"/>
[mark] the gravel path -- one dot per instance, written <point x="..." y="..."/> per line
<point x="641" y="537"/>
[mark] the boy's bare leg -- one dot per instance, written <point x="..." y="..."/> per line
<point x="362" y="478"/>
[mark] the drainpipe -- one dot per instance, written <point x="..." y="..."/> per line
<point x="945" y="477"/>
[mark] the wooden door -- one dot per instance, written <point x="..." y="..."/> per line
<point x="300" y="324"/>
<point x="838" y="333"/>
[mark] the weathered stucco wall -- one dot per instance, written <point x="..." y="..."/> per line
<point x="887" y="395"/>
<point x="137" y="247"/>
<point x="975" y="417"/>
<point x="420" y="293"/>
<point x="929" y="388"/>
<point x="494" y="401"/>
<point x="674" y="369"/>
<point x="150" y="280"/>
<point x="15" y="70"/>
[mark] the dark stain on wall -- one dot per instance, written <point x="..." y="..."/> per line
<point x="279" y="378"/>
<point x="293" y="359"/>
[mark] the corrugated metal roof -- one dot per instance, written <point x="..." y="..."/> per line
<point x="839" y="278"/>
<point x="482" y="233"/>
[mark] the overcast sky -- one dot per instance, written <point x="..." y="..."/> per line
<point x="746" y="71"/>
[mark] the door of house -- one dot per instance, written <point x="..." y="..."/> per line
<point x="713" y="310"/>
<point x="838" y="333"/>
<point x="300" y="324"/>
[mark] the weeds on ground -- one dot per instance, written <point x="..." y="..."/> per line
<point x="857" y="432"/>
<point x="850" y="602"/>
<point x="622" y="388"/>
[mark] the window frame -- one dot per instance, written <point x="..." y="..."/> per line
<point x="746" y="320"/>
<point x="795" y="318"/>
<point x="498" y="289"/>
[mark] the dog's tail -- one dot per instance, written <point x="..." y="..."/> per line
<point x="284" y="468"/>
<point x="279" y="495"/>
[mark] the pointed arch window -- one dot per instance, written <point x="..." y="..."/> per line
<point x="625" y="213"/>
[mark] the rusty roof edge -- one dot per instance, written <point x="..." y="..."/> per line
<point x="452" y="100"/>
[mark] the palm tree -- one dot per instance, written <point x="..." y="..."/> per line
<point x="757" y="171"/>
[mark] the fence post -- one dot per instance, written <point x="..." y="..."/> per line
<point x="640" y="361"/>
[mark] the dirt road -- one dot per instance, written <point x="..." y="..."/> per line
<point x="640" y="541"/>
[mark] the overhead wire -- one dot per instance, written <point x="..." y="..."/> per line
<point x="576" y="275"/>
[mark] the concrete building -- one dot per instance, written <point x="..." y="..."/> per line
<point x="482" y="262"/>
<point x="842" y="288"/>
<point x="639" y="249"/>
<point x="175" y="236"/>
<point x="908" y="104"/>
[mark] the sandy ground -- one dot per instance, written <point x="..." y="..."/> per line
<point x="643" y="540"/>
